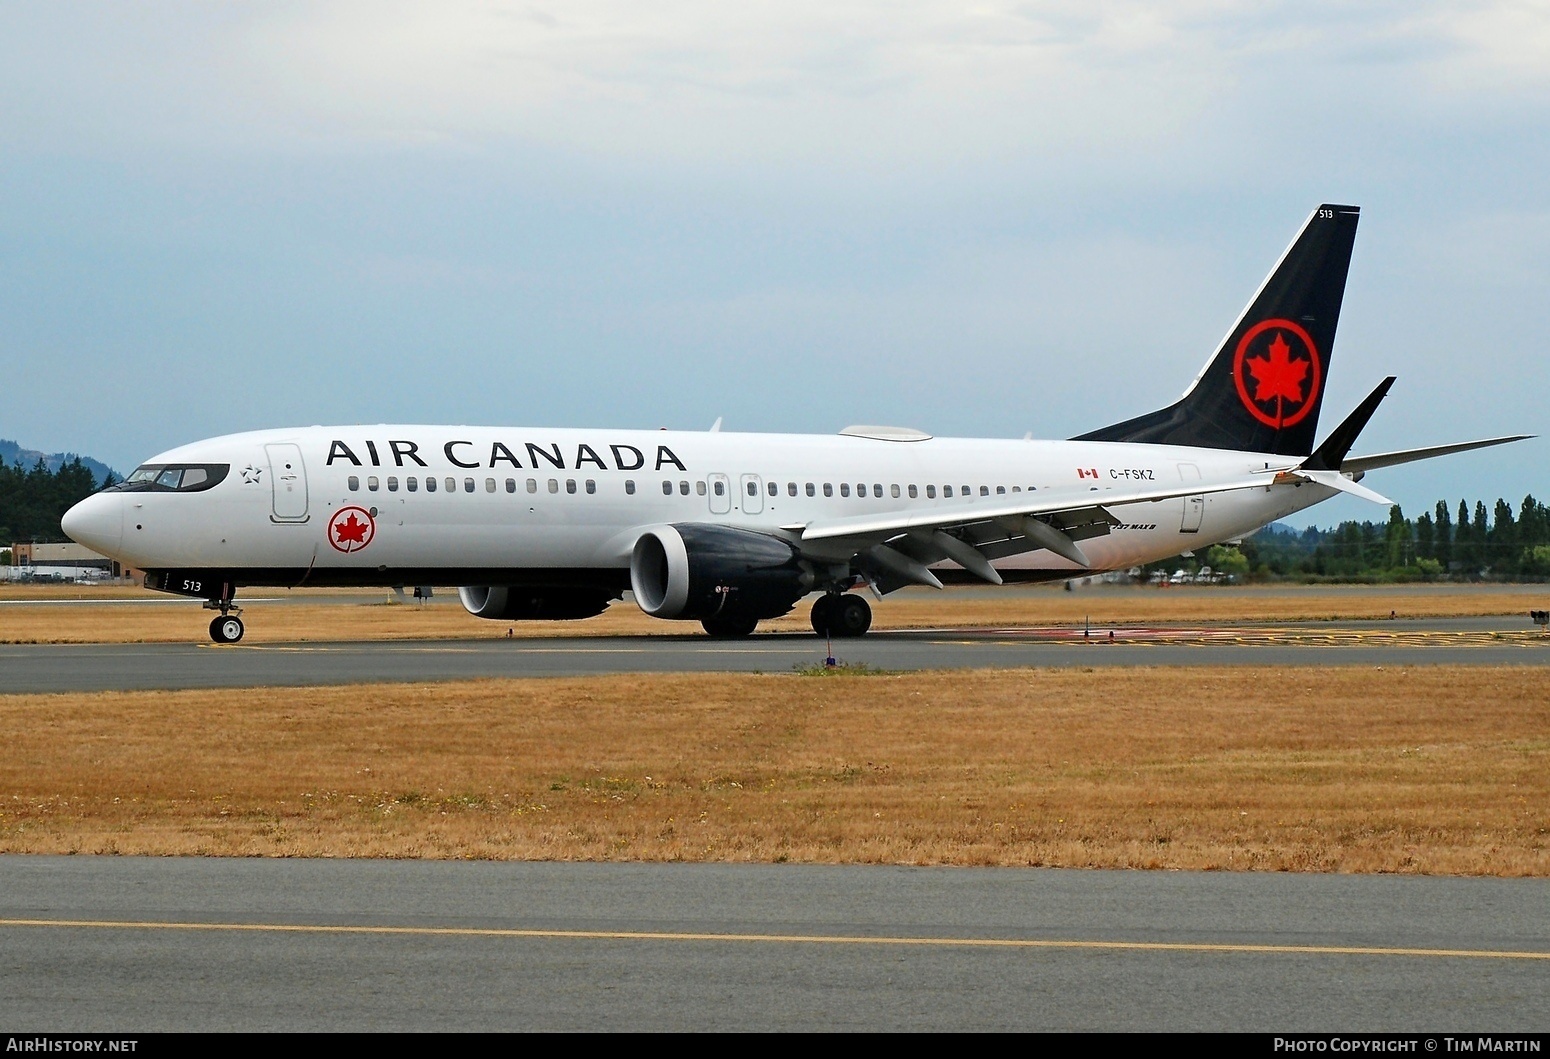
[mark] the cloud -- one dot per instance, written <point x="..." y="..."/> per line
<point x="857" y="84"/>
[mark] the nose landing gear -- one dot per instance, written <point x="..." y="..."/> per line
<point x="841" y="615"/>
<point x="227" y="628"/>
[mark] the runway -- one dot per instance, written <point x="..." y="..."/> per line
<point x="1463" y="641"/>
<point x="140" y="944"/>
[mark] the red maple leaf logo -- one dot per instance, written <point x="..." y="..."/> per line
<point x="351" y="531"/>
<point x="1283" y="375"/>
<point x="1278" y="375"/>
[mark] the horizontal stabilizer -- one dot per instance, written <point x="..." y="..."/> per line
<point x="1358" y="464"/>
<point x="1334" y="480"/>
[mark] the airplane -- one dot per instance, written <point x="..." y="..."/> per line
<point x="730" y="529"/>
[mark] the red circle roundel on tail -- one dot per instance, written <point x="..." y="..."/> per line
<point x="1278" y="373"/>
<point x="351" y="529"/>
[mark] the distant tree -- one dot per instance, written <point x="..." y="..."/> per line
<point x="1533" y="527"/>
<point x="1479" y="537"/>
<point x="1425" y="542"/>
<point x="1397" y="539"/>
<point x="1463" y="542"/>
<point x="33" y="500"/>
<point x="1504" y="539"/>
<point x="1444" y="548"/>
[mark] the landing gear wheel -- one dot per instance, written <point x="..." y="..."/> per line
<point x="227" y="629"/>
<point x="850" y="617"/>
<point x="730" y="628"/>
<point x="823" y="614"/>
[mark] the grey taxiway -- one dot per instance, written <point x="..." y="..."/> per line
<point x="125" y="945"/>
<point x="99" y="667"/>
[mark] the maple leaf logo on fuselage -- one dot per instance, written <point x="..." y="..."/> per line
<point x="351" y="531"/>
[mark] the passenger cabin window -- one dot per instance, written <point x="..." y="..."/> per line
<point x="629" y="486"/>
<point x="984" y="490"/>
<point x="810" y="490"/>
<point x="570" y="485"/>
<point x="468" y="485"/>
<point x="392" y="484"/>
<point x="667" y="488"/>
<point x="893" y="491"/>
<point x="554" y="485"/>
<point x="699" y="487"/>
<point x="844" y="489"/>
<point x="412" y="483"/>
<point x="372" y="483"/>
<point x="354" y="483"/>
<point x="828" y="490"/>
<point x="489" y="485"/>
<point x="947" y="490"/>
<point x="511" y="485"/>
<point x="532" y="485"/>
<point x="720" y="488"/>
<point x="753" y="488"/>
<point x="591" y="486"/>
<point x="791" y="489"/>
<point x="683" y="488"/>
<point x="931" y="492"/>
<point x="1000" y="490"/>
<point x="451" y="484"/>
<point x="430" y="485"/>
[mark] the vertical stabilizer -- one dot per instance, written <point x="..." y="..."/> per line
<point x="1262" y="390"/>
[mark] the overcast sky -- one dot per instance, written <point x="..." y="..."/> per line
<point x="978" y="219"/>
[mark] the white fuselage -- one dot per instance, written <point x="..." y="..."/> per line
<point x="515" y="499"/>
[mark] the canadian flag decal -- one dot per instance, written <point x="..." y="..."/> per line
<point x="1087" y="472"/>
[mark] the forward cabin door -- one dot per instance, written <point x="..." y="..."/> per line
<point x="1194" y="506"/>
<point x="288" y="479"/>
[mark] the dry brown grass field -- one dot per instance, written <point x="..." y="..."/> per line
<point x="1422" y="770"/>
<point x="325" y="615"/>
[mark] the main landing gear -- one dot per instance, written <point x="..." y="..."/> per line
<point x="841" y="615"/>
<point x="227" y="628"/>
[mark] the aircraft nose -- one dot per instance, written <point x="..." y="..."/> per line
<point x="97" y="522"/>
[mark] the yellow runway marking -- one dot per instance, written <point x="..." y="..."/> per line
<point x="782" y="939"/>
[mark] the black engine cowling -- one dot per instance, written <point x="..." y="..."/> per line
<point x="695" y="571"/>
<point x="516" y="603"/>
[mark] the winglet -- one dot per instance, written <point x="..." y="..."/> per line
<point x="1336" y="447"/>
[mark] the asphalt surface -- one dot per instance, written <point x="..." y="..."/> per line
<point x="94" y="944"/>
<point x="101" y="667"/>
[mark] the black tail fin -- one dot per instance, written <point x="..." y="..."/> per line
<point x="1262" y="390"/>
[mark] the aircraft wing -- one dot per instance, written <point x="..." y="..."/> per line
<point x="897" y="547"/>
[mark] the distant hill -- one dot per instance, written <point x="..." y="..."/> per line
<point x="11" y="452"/>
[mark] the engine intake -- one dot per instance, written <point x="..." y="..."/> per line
<point x="503" y="603"/>
<point x="695" y="571"/>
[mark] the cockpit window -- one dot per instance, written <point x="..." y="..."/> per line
<point x="173" y="478"/>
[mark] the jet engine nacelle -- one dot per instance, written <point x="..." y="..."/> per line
<point x="503" y="603"/>
<point x="695" y="571"/>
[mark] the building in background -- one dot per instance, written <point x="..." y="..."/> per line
<point x="59" y="562"/>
